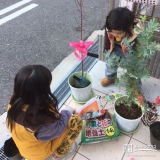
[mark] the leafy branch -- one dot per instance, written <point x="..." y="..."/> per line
<point x="134" y="66"/>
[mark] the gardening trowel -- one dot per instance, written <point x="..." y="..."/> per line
<point x="81" y="81"/>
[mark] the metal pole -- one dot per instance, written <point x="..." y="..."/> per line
<point x="153" y="9"/>
<point x="112" y="4"/>
<point x="101" y="45"/>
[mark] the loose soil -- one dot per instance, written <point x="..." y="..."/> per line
<point x="80" y="82"/>
<point x="132" y="112"/>
<point x="75" y="86"/>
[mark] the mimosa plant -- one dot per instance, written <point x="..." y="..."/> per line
<point x="135" y="65"/>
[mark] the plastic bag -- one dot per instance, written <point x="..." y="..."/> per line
<point x="90" y="110"/>
<point x="99" y="129"/>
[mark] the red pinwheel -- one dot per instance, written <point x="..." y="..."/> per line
<point x="80" y="49"/>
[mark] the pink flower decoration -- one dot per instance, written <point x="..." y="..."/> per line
<point x="80" y="49"/>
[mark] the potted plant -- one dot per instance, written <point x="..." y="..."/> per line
<point x="129" y="109"/>
<point x="80" y="82"/>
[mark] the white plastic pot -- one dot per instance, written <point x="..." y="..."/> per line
<point x="80" y="94"/>
<point x="126" y="125"/>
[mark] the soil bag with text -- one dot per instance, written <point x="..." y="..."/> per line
<point x="99" y="129"/>
<point x="89" y="110"/>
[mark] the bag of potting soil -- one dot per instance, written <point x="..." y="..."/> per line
<point x="99" y="129"/>
<point x="89" y="110"/>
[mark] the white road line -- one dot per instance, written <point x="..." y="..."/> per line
<point x="18" y="13"/>
<point x="14" y="6"/>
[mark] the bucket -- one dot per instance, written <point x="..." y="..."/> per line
<point x="155" y="134"/>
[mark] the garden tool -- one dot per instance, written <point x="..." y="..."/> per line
<point x="81" y="81"/>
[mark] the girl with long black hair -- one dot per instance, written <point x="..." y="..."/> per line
<point x="37" y="127"/>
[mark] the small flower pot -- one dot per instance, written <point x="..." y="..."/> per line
<point x="80" y="95"/>
<point x="155" y="134"/>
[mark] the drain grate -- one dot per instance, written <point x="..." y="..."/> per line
<point x="2" y="156"/>
<point x="62" y="92"/>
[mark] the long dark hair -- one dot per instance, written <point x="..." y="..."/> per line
<point x="32" y="88"/>
<point x="121" y="19"/>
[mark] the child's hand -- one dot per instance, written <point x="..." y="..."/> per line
<point x="73" y="109"/>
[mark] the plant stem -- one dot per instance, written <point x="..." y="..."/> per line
<point x="81" y="16"/>
<point x="79" y="4"/>
<point x="82" y="67"/>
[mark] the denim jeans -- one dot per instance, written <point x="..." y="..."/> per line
<point x="111" y="69"/>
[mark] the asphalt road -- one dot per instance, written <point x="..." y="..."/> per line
<point x="39" y="32"/>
